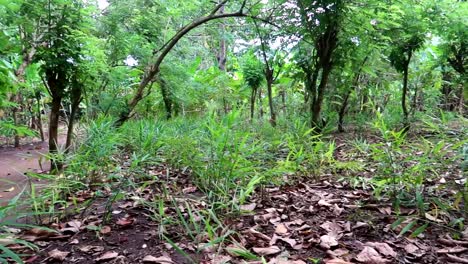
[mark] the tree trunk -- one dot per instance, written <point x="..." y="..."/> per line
<point x="55" y="164"/>
<point x="252" y="103"/>
<point x="311" y="87"/>
<point x="342" y="112"/>
<point x="70" y="129"/>
<point x="403" y="97"/>
<point x="461" y="101"/>
<point x="75" y="103"/>
<point x="415" y="107"/>
<point x="166" y="98"/>
<point x="317" y="106"/>
<point x="16" y="123"/>
<point x="260" y="102"/>
<point x="39" y="117"/>
<point x="270" y="102"/>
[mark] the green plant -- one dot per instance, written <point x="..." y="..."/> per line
<point x="9" y="230"/>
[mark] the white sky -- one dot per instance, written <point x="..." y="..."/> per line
<point x="102" y="4"/>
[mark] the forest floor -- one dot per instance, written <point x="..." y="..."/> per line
<point x="15" y="163"/>
<point x="312" y="220"/>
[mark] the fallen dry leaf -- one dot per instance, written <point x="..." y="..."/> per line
<point x="290" y="241"/>
<point x="281" y="229"/>
<point x="385" y="210"/>
<point x="331" y="227"/>
<point x="457" y="259"/>
<point x="258" y="234"/>
<point x="105" y="230"/>
<point x="282" y="261"/>
<point x="107" y="256"/>
<point x="126" y="205"/>
<point x="189" y="189"/>
<point x="125" y="221"/>
<point x="248" y="207"/>
<point x="359" y="225"/>
<point x="452" y="250"/>
<point x="337" y="210"/>
<point x="159" y="260"/>
<point x="337" y="261"/>
<point x="91" y="249"/>
<point x="221" y="259"/>
<point x="327" y="241"/>
<point x="338" y="252"/>
<point x="266" y="251"/>
<point x="370" y="256"/>
<point x="58" y="255"/>
<point x="411" y="249"/>
<point x="72" y="226"/>
<point x="324" y="203"/>
<point x="295" y="222"/>
<point x="383" y="248"/>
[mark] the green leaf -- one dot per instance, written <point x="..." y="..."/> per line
<point x="10" y="254"/>
<point x="419" y="230"/>
<point x="407" y="228"/>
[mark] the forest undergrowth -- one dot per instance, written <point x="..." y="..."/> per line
<point x="222" y="190"/>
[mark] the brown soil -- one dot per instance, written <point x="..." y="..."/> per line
<point x="15" y="163"/>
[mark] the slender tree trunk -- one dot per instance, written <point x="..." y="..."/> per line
<point x="342" y="112"/>
<point x="461" y="101"/>
<point x="260" y="102"/>
<point x="311" y="87"/>
<point x="344" y="105"/>
<point x="317" y="106"/>
<point x="75" y="103"/>
<point x="415" y="100"/>
<point x="70" y="128"/>
<point x="252" y="103"/>
<point x="56" y="165"/>
<point x="16" y="123"/>
<point x="403" y="98"/>
<point x="39" y="117"/>
<point x="225" y="106"/>
<point x="166" y="98"/>
<point x="222" y="55"/>
<point x="20" y="76"/>
<point x="16" y="112"/>
<point x="270" y="100"/>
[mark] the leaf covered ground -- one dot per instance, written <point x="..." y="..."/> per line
<point x="333" y="218"/>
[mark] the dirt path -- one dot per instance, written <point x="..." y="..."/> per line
<point x="15" y="162"/>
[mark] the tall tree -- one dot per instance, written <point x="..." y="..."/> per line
<point x="60" y="57"/>
<point x="407" y="38"/>
<point x="321" y="25"/>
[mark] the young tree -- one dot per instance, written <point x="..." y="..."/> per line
<point x="321" y="24"/>
<point x="272" y="65"/>
<point x="253" y="77"/>
<point x="59" y="57"/>
<point x="448" y="21"/>
<point x="407" y="39"/>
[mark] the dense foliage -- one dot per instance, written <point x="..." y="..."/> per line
<point x="240" y="95"/>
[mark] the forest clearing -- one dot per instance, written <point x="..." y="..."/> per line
<point x="233" y="131"/>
